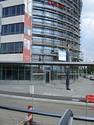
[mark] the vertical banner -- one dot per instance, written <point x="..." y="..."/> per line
<point x="27" y="31"/>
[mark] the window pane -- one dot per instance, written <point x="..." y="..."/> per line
<point x="13" y="11"/>
<point x="21" y="73"/>
<point x="27" y="73"/>
<point x="15" y="47"/>
<point x="15" y="73"/>
<point x="12" y="29"/>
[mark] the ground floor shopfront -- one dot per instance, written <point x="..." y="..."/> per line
<point x="36" y="73"/>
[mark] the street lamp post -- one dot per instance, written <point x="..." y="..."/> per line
<point x="67" y="68"/>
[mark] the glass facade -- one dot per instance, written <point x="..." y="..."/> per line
<point x="14" y="72"/>
<point x="55" y="24"/>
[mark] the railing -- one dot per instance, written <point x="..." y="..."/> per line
<point x="66" y="119"/>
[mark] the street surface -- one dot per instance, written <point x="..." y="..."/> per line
<point x="14" y="118"/>
<point x="79" y="88"/>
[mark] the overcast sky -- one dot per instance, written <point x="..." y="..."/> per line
<point x="87" y="30"/>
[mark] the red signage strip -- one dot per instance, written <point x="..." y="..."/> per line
<point x="54" y="3"/>
<point x="90" y="98"/>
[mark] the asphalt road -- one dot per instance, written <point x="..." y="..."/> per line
<point x="14" y="118"/>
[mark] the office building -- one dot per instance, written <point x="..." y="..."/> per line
<point x="38" y="30"/>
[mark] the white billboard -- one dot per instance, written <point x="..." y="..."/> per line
<point x="62" y="55"/>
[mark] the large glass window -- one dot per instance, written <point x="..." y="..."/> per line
<point x="18" y="47"/>
<point x="37" y="30"/>
<point x="49" y="40"/>
<point x="48" y="58"/>
<point x="48" y="14"/>
<point x="14" y="73"/>
<point x="13" y="10"/>
<point x="48" y="22"/>
<point x="20" y="9"/>
<point x="38" y="3"/>
<point x="47" y="31"/>
<point x="37" y="20"/>
<point x="10" y="48"/>
<point x="12" y="28"/>
<point x="37" y="39"/>
<point x="35" y="58"/>
<point x="16" y="28"/>
<point x="38" y="12"/>
<point x="47" y="50"/>
<point x="37" y="49"/>
<point x="27" y="73"/>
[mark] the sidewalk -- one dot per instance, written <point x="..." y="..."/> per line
<point x="79" y="88"/>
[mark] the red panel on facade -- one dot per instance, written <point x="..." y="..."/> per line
<point x="26" y="55"/>
<point x="27" y="20"/>
<point x="54" y="3"/>
<point x="60" y="5"/>
<point x="28" y="37"/>
<point x="90" y="98"/>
